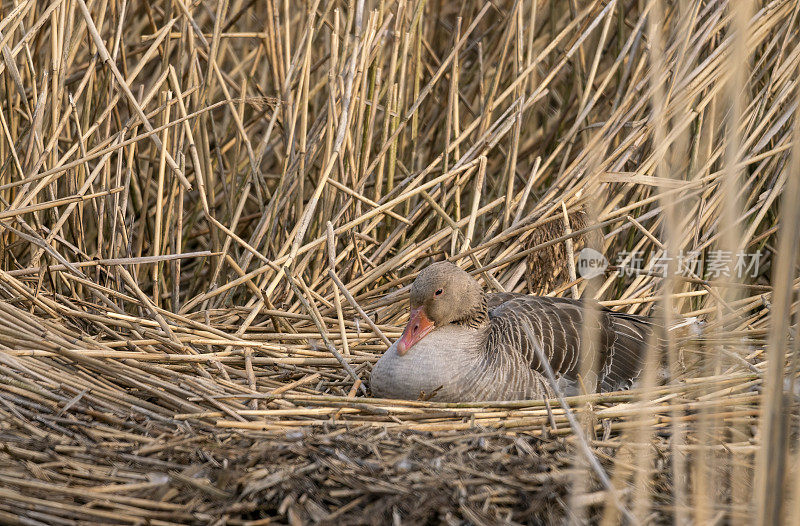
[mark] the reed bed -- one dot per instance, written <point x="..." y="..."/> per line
<point x="210" y="214"/>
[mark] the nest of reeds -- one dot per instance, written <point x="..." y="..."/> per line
<point x="210" y="214"/>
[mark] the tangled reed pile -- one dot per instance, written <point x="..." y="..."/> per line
<point x="210" y="213"/>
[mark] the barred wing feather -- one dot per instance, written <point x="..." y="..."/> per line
<point x="619" y="344"/>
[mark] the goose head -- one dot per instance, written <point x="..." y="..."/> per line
<point x="441" y="294"/>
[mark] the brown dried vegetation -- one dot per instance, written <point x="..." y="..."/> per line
<point x="210" y="213"/>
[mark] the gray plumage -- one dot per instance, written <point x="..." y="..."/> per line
<point x="478" y="349"/>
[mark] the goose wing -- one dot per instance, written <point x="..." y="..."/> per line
<point x="556" y="324"/>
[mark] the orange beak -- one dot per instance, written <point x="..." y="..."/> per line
<point x="418" y="327"/>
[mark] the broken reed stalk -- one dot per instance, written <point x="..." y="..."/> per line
<point x="358" y="308"/>
<point x="321" y="328"/>
<point x="336" y="300"/>
<point x="577" y="430"/>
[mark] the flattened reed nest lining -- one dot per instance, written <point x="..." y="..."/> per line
<point x="210" y="218"/>
<point x="121" y="439"/>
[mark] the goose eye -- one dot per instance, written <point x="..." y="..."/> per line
<point x="438" y="292"/>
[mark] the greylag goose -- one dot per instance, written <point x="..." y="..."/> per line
<point x="462" y="344"/>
